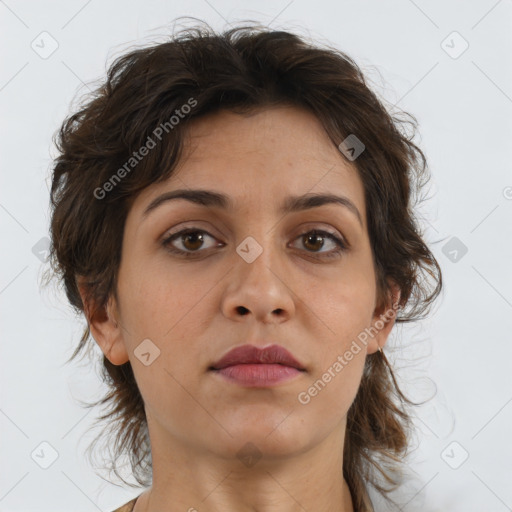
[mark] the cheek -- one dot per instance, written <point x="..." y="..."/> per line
<point x="159" y="300"/>
<point x="345" y="309"/>
<point x="342" y="308"/>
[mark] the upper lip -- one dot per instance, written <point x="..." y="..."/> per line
<point x="247" y="354"/>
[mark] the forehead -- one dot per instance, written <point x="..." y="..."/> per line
<point x="259" y="158"/>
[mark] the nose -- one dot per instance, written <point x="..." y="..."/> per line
<point x="259" y="290"/>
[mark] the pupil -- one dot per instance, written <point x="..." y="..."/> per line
<point x="195" y="243"/>
<point x="317" y="237"/>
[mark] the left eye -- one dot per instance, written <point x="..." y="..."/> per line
<point x="313" y="237"/>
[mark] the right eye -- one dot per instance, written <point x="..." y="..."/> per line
<point x="190" y="239"/>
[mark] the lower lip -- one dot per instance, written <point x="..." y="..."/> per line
<point x="258" y="375"/>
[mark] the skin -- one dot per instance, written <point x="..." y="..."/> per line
<point x="294" y="296"/>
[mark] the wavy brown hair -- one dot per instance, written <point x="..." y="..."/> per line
<point x="242" y="69"/>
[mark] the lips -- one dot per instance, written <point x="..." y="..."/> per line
<point x="250" y="354"/>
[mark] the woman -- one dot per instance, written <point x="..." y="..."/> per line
<point x="232" y="214"/>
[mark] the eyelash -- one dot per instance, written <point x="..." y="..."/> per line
<point x="341" y="246"/>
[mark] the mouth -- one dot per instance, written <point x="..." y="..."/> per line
<point x="251" y="366"/>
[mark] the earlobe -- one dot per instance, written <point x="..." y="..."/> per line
<point x="384" y="319"/>
<point x="105" y="327"/>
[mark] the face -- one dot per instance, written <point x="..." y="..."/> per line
<point x="247" y="272"/>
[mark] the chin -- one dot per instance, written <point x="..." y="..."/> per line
<point x="275" y="436"/>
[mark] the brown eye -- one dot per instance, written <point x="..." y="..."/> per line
<point x="313" y="241"/>
<point x="190" y="240"/>
<point x="316" y="240"/>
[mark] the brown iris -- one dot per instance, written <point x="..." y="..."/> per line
<point x="308" y="237"/>
<point x="195" y="238"/>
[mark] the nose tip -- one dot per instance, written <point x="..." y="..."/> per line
<point x="256" y="290"/>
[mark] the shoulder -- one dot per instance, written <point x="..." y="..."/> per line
<point x="127" y="507"/>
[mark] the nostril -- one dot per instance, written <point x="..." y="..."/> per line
<point x="242" y="310"/>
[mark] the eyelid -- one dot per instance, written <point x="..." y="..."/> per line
<point x="304" y="228"/>
<point x="193" y="225"/>
<point x="320" y="226"/>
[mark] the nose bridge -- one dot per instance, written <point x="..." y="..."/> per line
<point x="257" y="253"/>
<point x="258" y="243"/>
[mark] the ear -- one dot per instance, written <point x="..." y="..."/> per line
<point x="384" y="319"/>
<point x="104" y="326"/>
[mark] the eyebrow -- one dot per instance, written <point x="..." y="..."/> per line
<point x="210" y="198"/>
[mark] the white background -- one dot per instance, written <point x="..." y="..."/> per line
<point x="461" y="356"/>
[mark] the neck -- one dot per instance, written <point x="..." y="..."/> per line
<point x="187" y="480"/>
